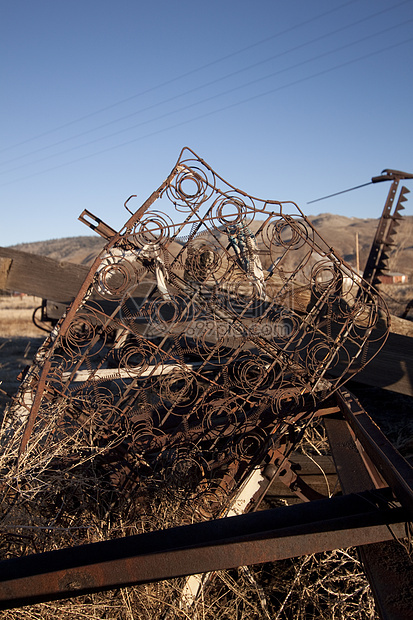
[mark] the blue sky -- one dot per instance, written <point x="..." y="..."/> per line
<point x="285" y="100"/>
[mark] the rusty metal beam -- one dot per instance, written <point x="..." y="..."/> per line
<point x="387" y="564"/>
<point x="393" y="467"/>
<point x="378" y="257"/>
<point x="225" y="543"/>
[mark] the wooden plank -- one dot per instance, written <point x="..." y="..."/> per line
<point x="40" y="276"/>
<point x="306" y="466"/>
<point x="309" y="470"/>
<point x="318" y="483"/>
<point x="392" y="368"/>
<point x="5" y="265"/>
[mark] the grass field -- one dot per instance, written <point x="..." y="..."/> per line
<point x="16" y="316"/>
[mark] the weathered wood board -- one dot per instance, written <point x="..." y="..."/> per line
<point x="392" y="368"/>
<point x="39" y="276"/>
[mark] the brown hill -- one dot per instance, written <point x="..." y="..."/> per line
<point x="337" y="230"/>
<point x="340" y="232"/>
<point x="80" y="250"/>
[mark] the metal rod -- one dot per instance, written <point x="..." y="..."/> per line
<point x="224" y="543"/>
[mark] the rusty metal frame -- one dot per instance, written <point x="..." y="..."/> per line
<point x="357" y="446"/>
<point x="135" y="365"/>
<point x="269" y="338"/>
<point x="234" y="541"/>
<point x="366" y="517"/>
<point x="393" y="467"/>
<point x="377" y="259"/>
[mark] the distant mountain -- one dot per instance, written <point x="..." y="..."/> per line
<point x="337" y="230"/>
<point x="340" y="233"/>
<point x="80" y="250"/>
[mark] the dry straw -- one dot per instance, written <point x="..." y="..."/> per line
<point x="50" y="501"/>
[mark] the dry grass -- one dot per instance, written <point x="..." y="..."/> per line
<point x="397" y="297"/>
<point x="46" y="506"/>
<point x="16" y="317"/>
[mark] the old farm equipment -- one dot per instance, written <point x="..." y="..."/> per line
<point x="206" y="337"/>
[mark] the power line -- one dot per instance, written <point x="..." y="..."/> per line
<point x="344" y="191"/>
<point x="205" y="85"/>
<point x="208" y="99"/>
<point x="184" y="75"/>
<point x="224" y="108"/>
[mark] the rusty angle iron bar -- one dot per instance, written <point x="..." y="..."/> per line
<point x="387" y="564"/>
<point x="225" y="543"/>
<point x="395" y="469"/>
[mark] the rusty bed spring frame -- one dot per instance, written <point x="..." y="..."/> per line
<point x="194" y="355"/>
